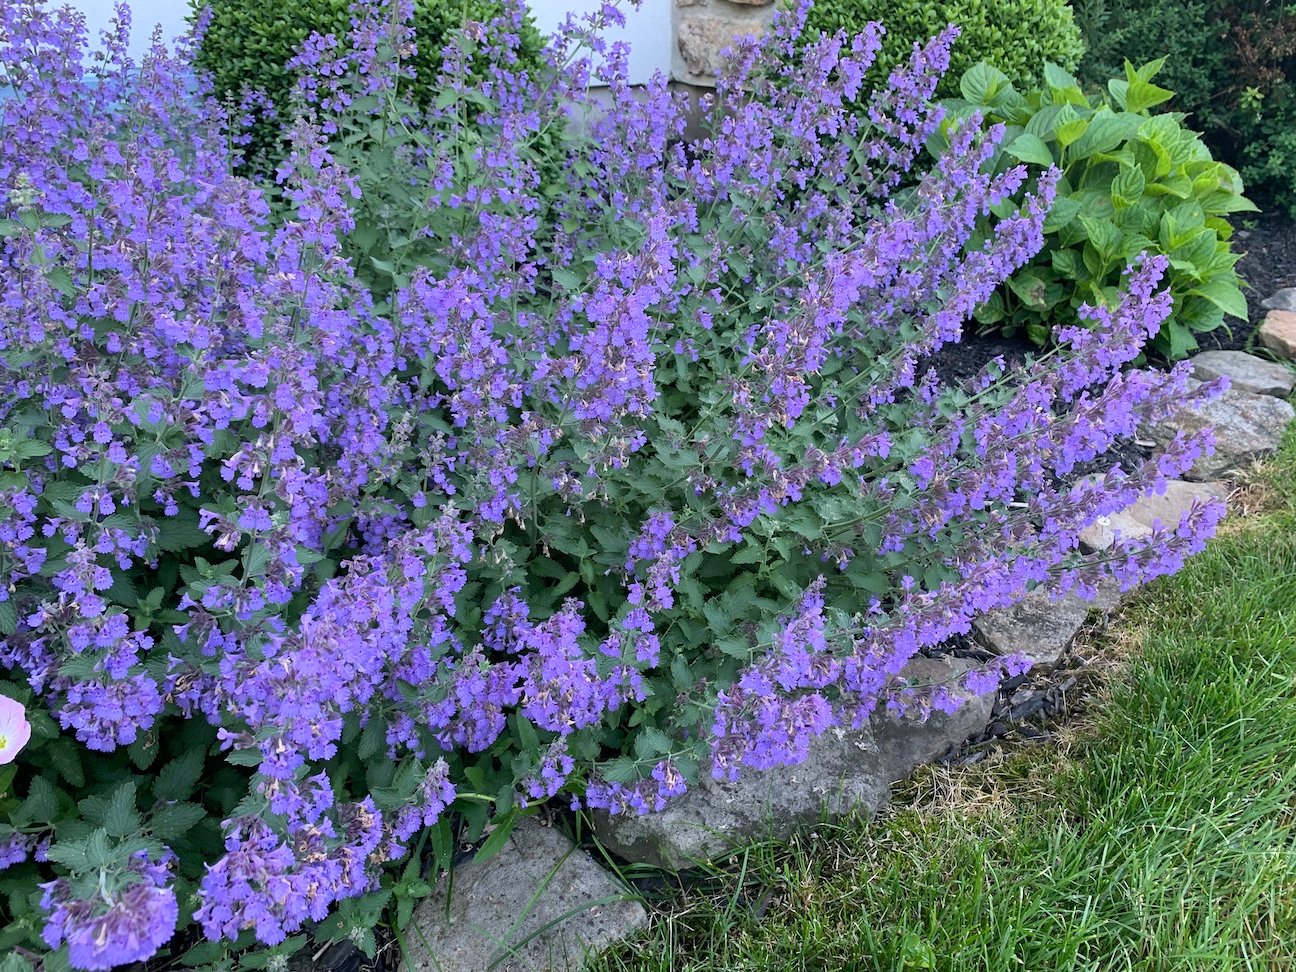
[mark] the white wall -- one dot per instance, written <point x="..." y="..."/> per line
<point x="648" y="29"/>
<point x="145" y="15"/>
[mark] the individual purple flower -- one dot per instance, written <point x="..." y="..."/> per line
<point x="15" y="849"/>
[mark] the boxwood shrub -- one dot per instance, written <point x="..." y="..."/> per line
<point x="1016" y="36"/>
<point x="247" y="46"/>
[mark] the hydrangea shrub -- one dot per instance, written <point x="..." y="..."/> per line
<point x="1136" y="181"/>
<point x="339" y="524"/>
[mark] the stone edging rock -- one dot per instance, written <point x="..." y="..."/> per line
<point x="542" y="904"/>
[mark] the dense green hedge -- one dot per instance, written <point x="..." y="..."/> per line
<point x="1016" y="36"/>
<point x="249" y="43"/>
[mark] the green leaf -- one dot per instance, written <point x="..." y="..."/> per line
<point x="1118" y="88"/>
<point x="122" y="818"/>
<point x="1069" y="131"/>
<point x="1105" y="131"/>
<point x="567" y="279"/>
<point x="175" y="820"/>
<point x="1037" y="333"/>
<point x="1044" y="122"/>
<point x="8" y="618"/>
<point x="70" y="853"/>
<point x="1176" y="341"/>
<point x="61" y="280"/>
<point x="1067" y="263"/>
<point x="206" y="953"/>
<point x="1142" y="95"/>
<point x="1064" y="211"/>
<point x="123" y="591"/>
<point x="178" y="779"/>
<point x="1225" y="295"/>
<point x="442" y="840"/>
<point x="982" y="83"/>
<point x="1105" y="237"/>
<point x="526" y="733"/>
<point x="1033" y="290"/>
<point x="498" y="838"/>
<point x="1030" y="148"/>
<point x="64" y="756"/>
<point x="181" y="532"/>
<point x="992" y="311"/>
<point x="1058" y="78"/>
<point x="32" y="449"/>
<point x="1147" y="72"/>
<point x="651" y="742"/>
<point x="13" y="962"/>
<point x="1128" y="185"/>
<point x="40" y="806"/>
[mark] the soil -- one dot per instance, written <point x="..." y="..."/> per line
<point x="962" y="362"/>
<point x="1268" y="247"/>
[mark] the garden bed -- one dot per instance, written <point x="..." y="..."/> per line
<point x="369" y="544"/>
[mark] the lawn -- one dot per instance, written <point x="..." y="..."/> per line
<point x="1160" y="835"/>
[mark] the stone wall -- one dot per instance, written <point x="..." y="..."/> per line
<point x="704" y="28"/>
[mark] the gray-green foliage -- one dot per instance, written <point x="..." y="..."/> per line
<point x="1134" y="179"/>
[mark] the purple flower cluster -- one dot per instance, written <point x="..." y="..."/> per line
<point x="517" y="446"/>
<point x="114" y="927"/>
<point x="273" y="885"/>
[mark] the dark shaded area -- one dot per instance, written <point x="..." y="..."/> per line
<point x="962" y="362"/>
<point x="342" y="957"/>
<point x="1025" y="707"/>
<point x="1268" y="264"/>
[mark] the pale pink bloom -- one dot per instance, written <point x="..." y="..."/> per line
<point x="15" y="730"/>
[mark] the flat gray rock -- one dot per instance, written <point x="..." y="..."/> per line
<point x="539" y="905"/>
<point x="1247" y="427"/>
<point x="1284" y="300"/>
<point x="904" y="744"/>
<point x="846" y="770"/>
<point x="1246" y="372"/>
<point x="843" y="772"/>
<point x="1138" y="519"/>
<point x="1037" y="626"/>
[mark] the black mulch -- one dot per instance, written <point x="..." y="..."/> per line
<point x="343" y="957"/>
<point x="1268" y="264"/>
<point x="1025" y="708"/>
<point x="965" y="361"/>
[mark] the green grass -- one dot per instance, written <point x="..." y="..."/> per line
<point x="1163" y="838"/>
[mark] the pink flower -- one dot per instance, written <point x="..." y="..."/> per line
<point x="15" y="730"/>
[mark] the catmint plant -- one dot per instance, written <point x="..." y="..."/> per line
<point x="510" y="449"/>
